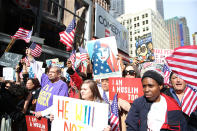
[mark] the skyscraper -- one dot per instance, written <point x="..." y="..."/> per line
<point x="133" y="6"/>
<point x="178" y="32"/>
<point x="116" y="8"/>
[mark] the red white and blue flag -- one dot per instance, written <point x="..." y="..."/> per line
<point x="189" y="103"/>
<point x="183" y="62"/>
<point x="166" y="72"/>
<point x="67" y="36"/>
<point x="36" y="49"/>
<point x="23" y="34"/>
<point x="83" y="54"/>
<point x="114" y="119"/>
<point x="72" y="58"/>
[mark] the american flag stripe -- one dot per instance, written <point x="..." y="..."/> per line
<point x="183" y="62"/>
<point x="166" y="72"/>
<point x="189" y="103"/>
<point x="36" y="49"/>
<point x="114" y="122"/>
<point x="23" y="34"/>
<point x="67" y="36"/>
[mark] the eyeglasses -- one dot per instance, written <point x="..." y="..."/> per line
<point x="131" y="72"/>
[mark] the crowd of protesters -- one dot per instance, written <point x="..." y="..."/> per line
<point x="158" y="109"/>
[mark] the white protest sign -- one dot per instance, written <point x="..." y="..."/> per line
<point x="8" y="73"/>
<point x="78" y="115"/>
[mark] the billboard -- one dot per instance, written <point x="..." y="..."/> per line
<point x="106" y="25"/>
<point x="144" y="48"/>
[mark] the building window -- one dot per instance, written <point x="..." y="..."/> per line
<point x="127" y="21"/>
<point x="138" y="24"/>
<point x="146" y="21"/>
<point x="142" y="16"/>
<point x="131" y="33"/>
<point x="146" y="15"/>
<point x="135" y="19"/>
<point x="131" y="45"/>
<point x="131" y="52"/>
<point x="143" y="29"/>
<point x="136" y="38"/>
<point x="123" y="23"/>
<point x="143" y="22"/>
<point x="138" y="18"/>
<point x="134" y="25"/>
<point x="130" y="20"/>
<point x="147" y="28"/>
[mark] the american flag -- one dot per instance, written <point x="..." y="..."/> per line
<point x="114" y="120"/>
<point x="23" y="34"/>
<point x="36" y="49"/>
<point x="189" y="103"/>
<point x="67" y="36"/>
<point x="166" y="72"/>
<point x="72" y="58"/>
<point x="183" y="62"/>
<point x="83" y="54"/>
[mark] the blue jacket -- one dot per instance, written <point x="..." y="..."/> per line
<point x="137" y="116"/>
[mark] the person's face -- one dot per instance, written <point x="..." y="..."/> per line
<point x="150" y="46"/>
<point x="7" y="85"/>
<point x="138" y="50"/>
<point x="103" y="54"/>
<point x="178" y="84"/>
<point x="29" y="85"/>
<point x="130" y="73"/>
<point x="151" y="89"/>
<point x="86" y="93"/>
<point x="53" y="74"/>
<point x="69" y="63"/>
<point x="105" y="84"/>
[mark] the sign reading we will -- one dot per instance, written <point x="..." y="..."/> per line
<point x="78" y="115"/>
<point x="128" y="89"/>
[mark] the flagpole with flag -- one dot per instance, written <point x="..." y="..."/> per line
<point x="22" y="34"/>
<point x="10" y="45"/>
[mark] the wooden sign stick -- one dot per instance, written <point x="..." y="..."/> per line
<point x="10" y="45"/>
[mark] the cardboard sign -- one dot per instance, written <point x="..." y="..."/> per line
<point x="8" y="73"/>
<point x="128" y="89"/>
<point x="78" y="115"/>
<point x="34" y="124"/>
<point x="10" y="59"/>
<point x="103" y="54"/>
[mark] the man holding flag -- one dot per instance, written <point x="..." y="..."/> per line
<point x="183" y="65"/>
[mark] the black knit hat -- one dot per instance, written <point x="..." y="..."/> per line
<point x="154" y="75"/>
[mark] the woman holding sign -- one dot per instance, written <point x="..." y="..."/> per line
<point x="90" y="92"/>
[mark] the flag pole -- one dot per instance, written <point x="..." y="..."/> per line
<point x="10" y="44"/>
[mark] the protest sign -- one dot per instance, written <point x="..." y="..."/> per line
<point x="103" y="54"/>
<point x="8" y="73"/>
<point x="128" y="89"/>
<point x="10" y="59"/>
<point x="78" y="115"/>
<point x="34" y="124"/>
<point x="52" y="62"/>
<point x="161" y="54"/>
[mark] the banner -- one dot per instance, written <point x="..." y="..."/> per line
<point x="34" y="124"/>
<point x="103" y="55"/>
<point x="106" y="26"/>
<point x="78" y="115"/>
<point x="8" y="73"/>
<point x="161" y="54"/>
<point x="52" y="62"/>
<point x="144" y="48"/>
<point x="10" y="59"/>
<point x="128" y="89"/>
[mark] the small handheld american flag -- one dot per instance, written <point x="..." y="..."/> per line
<point x="114" y="120"/>
<point x="36" y="49"/>
<point x="23" y="34"/>
<point x="67" y="36"/>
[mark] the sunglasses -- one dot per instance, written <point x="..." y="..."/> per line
<point x="130" y="72"/>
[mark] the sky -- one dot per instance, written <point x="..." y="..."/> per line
<point x="186" y="8"/>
